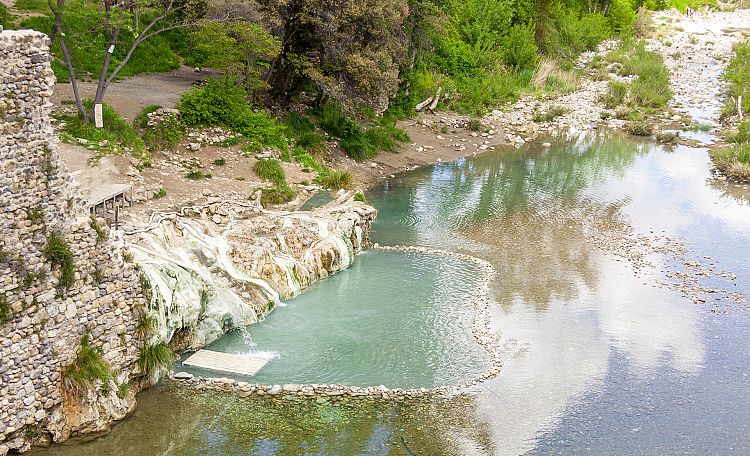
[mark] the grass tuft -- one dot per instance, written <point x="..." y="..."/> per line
<point x="88" y="367"/>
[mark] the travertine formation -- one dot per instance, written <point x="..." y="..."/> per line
<point x="49" y="300"/>
<point x="65" y="278"/>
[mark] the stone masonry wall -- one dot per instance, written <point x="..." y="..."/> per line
<point x="41" y="322"/>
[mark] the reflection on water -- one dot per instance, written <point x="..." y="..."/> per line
<point x="599" y="357"/>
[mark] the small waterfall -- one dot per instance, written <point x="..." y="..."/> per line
<point x="200" y="291"/>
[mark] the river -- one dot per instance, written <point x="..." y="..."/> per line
<point x="618" y="306"/>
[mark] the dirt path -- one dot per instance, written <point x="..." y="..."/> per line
<point x="131" y="95"/>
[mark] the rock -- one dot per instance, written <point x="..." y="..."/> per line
<point x="275" y="390"/>
<point x="183" y="376"/>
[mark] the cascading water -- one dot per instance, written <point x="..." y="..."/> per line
<point x="205" y="282"/>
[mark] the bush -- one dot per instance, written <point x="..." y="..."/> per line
<point x="336" y="179"/>
<point x="165" y="135"/>
<point x="553" y="113"/>
<point x="616" y="95"/>
<point x="88" y="367"/>
<point x="737" y="75"/>
<point x="277" y="195"/>
<point x="154" y="359"/>
<point x="734" y="162"/>
<point x="639" y="128"/>
<point x="358" y="147"/>
<point x="621" y="16"/>
<point x="57" y="252"/>
<point x="116" y="135"/>
<point x="6" y="19"/>
<point x="141" y="120"/>
<point x="307" y="160"/>
<point x="519" y="47"/>
<point x="651" y="87"/>
<point x="5" y="314"/>
<point x="270" y="170"/>
<point x="198" y="175"/>
<point x="221" y="102"/>
<point x="359" y="196"/>
<point x="335" y="122"/>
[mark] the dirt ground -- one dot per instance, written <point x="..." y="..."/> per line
<point x="130" y="96"/>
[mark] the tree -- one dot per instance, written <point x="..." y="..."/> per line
<point x="116" y="18"/>
<point x="349" y="49"/>
<point x="241" y="49"/>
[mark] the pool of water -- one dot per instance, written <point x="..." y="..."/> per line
<point x="602" y="355"/>
<point x="396" y="319"/>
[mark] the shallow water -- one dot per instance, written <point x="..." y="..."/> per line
<point x="603" y="354"/>
<point x="396" y="319"/>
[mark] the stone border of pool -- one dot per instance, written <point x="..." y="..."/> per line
<point x="480" y="329"/>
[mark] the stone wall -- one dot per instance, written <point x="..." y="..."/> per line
<point x="41" y="321"/>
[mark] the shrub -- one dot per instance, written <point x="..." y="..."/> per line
<point x="336" y="179"/>
<point x="737" y="75"/>
<point x="6" y="19"/>
<point x="616" y="95"/>
<point x="381" y="139"/>
<point x="519" y="47"/>
<point x="154" y="359"/>
<point x="147" y="325"/>
<point x="358" y="147"/>
<point x="474" y="124"/>
<point x="307" y="160"/>
<point x="277" y="195"/>
<point x="197" y="175"/>
<point x="639" y="128"/>
<point x="88" y="367"/>
<point x="165" y="135"/>
<point x="335" y="122"/>
<point x="5" y="315"/>
<point x="553" y="113"/>
<point x="270" y="170"/>
<point x="57" y="252"/>
<point x="116" y="135"/>
<point x="651" y="87"/>
<point x="141" y="120"/>
<point x="734" y="161"/>
<point x="667" y="138"/>
<point x="161" y="193"/>
<point x="311" y="141"/>
<point x="621" y="16"/>
<point x="359" y="196"/>
<point x="100" y="232"/>
<point x="220" y="162"/>
<point x="35" y="214"/>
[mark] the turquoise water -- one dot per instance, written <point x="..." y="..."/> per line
<point x="396" y="319"/>
<point x="602" y="356"/>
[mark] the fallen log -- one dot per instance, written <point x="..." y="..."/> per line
<point x="435" y="101"/>
<point x="421" y="105"/>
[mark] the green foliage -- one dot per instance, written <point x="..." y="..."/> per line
<point x="57" y="252"/>
<point x="141" y="120"/>
<point x="680" y="5"/>
<point x="640" y="128"/>
<point x="622" y="16"/>
<point x="197" y="175"/>
<point x="359" y="196"/>
<point x="39" y="6"/>
<point x="35" y="214"/>
<point x="88" y="367"/>
<point x="146" y="326"/>
<point x="220" y="162"/>
<point x="552" y="114"/>
<point x="154" y="359"/>
<point x="87" y="41"/>
<point x="270" y="170"/>
<point x="161" y="193"/>
<point x="165" y="134"/>
<point x="616" y="95"/>
<point x="115" y="137"/>
<point x="336" y="179"/>
<point x="6" y="19"/>
<point x="101" y="234"/>
<point x="307" y="160"/>
<point x="5" y="315"/>
<point x="737" y="75"/>
<point x="734" y="161"/>
<point x="519" y="48"/>
<point x="122" y="390"/>
<point x="651" y="87"/>
<point x="277" y="195"/>
<point x="221" y="102"/>
<point x="241" y="49"/>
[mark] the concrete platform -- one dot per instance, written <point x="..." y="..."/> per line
<point x="226" y="362"/>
